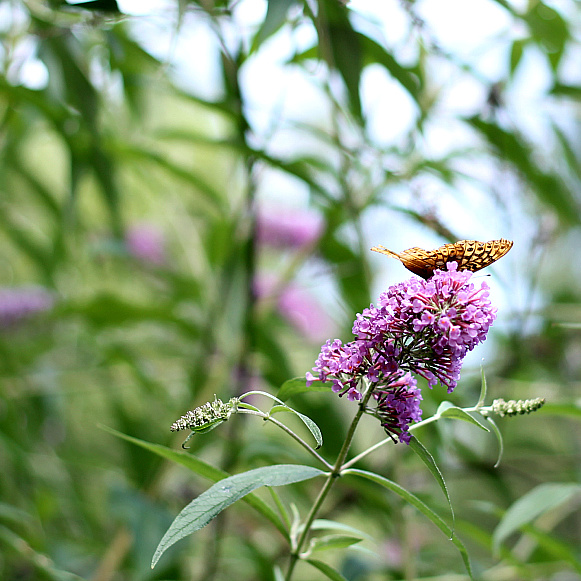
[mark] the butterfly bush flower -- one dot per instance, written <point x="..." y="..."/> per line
<point x="297" y="305"/>
<point x="20" y="303"/>
<point x="424" y="327"/>
<point x="288" y="228"/>
<point x="146" y="243"/>
<point x="398" y="405"/>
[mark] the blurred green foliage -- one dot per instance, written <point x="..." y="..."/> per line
<point x="133" y="199"/>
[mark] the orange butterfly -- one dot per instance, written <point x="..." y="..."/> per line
<point x="469" y="254"/>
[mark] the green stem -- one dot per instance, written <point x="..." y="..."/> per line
<point x="365" y="452"/>
<point x="333" y="475"/>
<point x="477" y="408"/>
<point x="310" y="449"/>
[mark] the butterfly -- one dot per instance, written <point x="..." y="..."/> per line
<point x="469" y="254"/>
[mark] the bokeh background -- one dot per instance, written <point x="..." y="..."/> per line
<point x="189" y="191"/>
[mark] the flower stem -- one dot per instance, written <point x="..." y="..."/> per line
<point x="484" y="410"/>
<point x="268" y="418"/>
<point x="332" y="476"/>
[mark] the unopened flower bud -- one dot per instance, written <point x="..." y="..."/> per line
<point x="514" y="407"/>
<point x="207" y="416"/>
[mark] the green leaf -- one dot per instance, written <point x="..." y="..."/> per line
<point x="107" y="310"/>
<point x="274" y="19"/>
<point x="144" y="156"/>
<point x="536" y="502"/>
<point x="300" y="167"/>
<point x="313" y="428"/>
<point x="549" y="187"/>
<point x="560" y="550"/>
<point x="477" y="533"/>
<point x="408" y="78"/>
<point x="213" y="501"/>
<point x="327" y="570"/>
<point x="483" y="387"/>
<point x="571" y="157"/>
<point x="275" y="366"/>
<point x="324" y="524"/>
<point x="12" y="514"/>
<point x="548" y="29"/>
<point x="298" y="385"/>
<point x="38" y="565"/>
<point x="421" y="506"/>
<point x="350" y="268"/>
<point x="109" y="6"/>
<point x="40" y="189"/>
<point x="498" y="435"/>
<point x="204" y="469"/>
<point x="21" y="237"/>
<point x="429" y="461"/>
<point x="448" y="410"/>
<point x="345" y="54"/>
<point x="516" y="52"/>
<point x="334" y="542"/>
<point x="571" y="91"/>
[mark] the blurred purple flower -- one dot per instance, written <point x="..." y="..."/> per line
<point x="20" y="303"/>
<point x="284" y="228"/>
<point x="298" y="307"/>
<point x="146" y="243"/>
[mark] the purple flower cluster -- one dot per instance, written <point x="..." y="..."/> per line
<point x="398" y="405"/>
<point x="287" y="228"/>
<point x="20" y="303"/>
<point x="296" y="305"/>
<point x="428" y="326"/>
<point x="421" y="326"/>
<point x="146" y="243"/>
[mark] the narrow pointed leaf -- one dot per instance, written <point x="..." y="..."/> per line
<point x="549" y="187"/>
<point x="429" y="461"/>
<point x="421" y="506"/>
<point x="498" y="435"/>
<point x="536" y="502"/>
<point x="327" y="570"/>
<point x="334" y="542"/>
<point x="313" y="428"/>
<point x="457" y="413"/>
<point x="322" y="524"/>
<point x="204" y="469"/>
<point x="274" y="19"/>
<point x="483" y="387"/>
<point x="213" y="501"/>
<point x="298" y="385"/>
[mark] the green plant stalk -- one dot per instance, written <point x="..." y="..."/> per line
<point x="333" y="475"/>
<point x="477" y="408"/>
<point x="307" y="447"/>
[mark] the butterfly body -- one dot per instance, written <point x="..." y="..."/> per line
<point x="468" y="254"/>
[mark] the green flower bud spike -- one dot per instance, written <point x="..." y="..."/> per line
<point x="514" y="407"/>
<point x="206" y="417"/>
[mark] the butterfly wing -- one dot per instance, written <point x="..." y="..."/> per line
<point x="476" y="255"/>
<point x="417" y="260"/>
<point x="469" y="254"/>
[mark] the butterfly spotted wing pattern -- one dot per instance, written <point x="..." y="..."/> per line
<point x="469" y="254"/>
